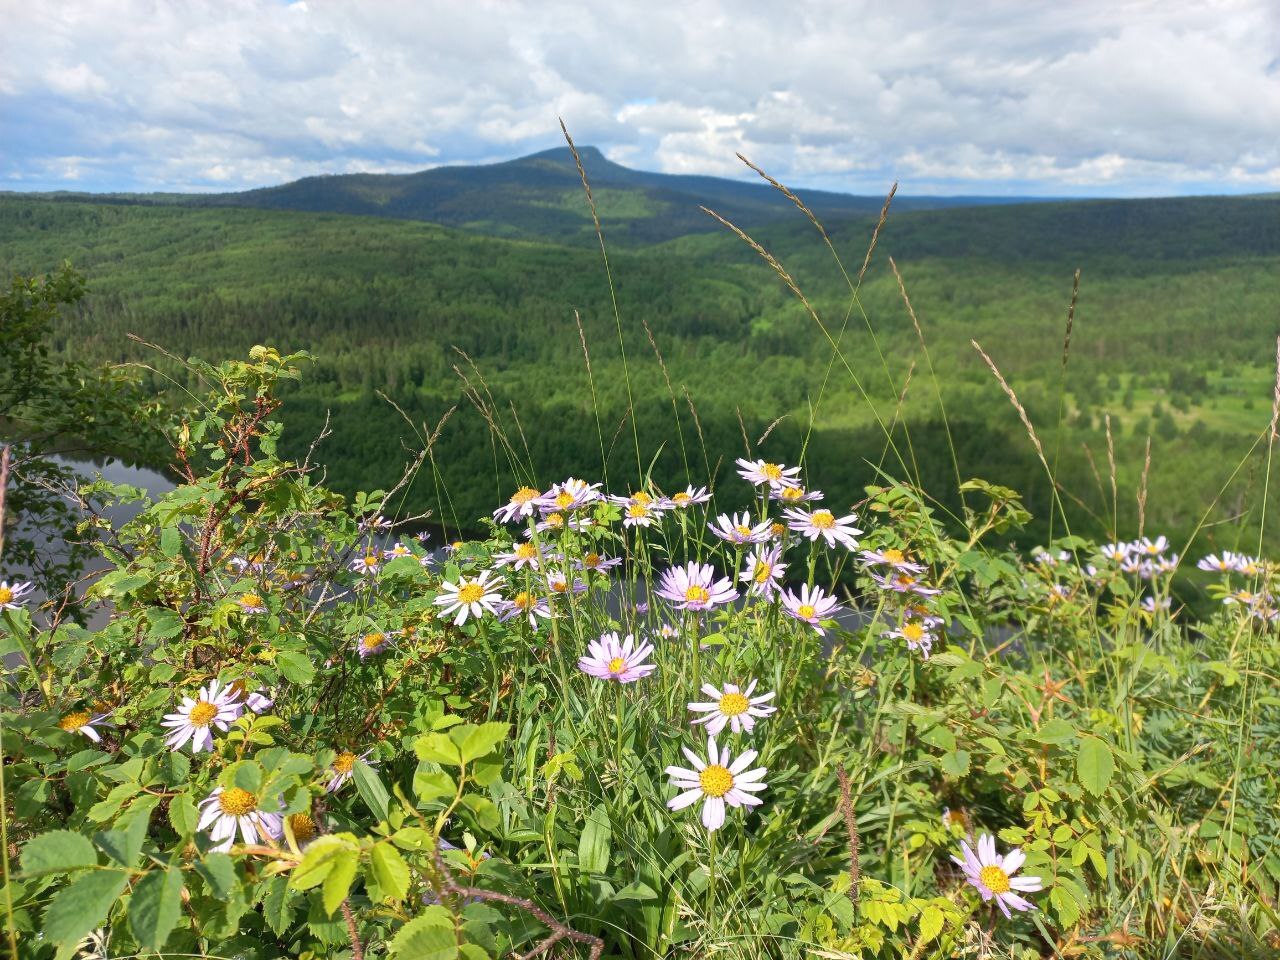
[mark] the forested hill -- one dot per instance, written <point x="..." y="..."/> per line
<point x="540" y="197"/>
<point x="1174" y="337"/>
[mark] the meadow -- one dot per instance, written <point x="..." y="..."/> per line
<point x="904" y="674"/>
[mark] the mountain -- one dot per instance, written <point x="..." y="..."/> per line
<point x="540" y="197"/>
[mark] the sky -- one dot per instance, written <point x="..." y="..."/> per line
<point x="1115" y="98"/>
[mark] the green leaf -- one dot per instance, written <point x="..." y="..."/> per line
<point x="155" y="907"/>
<point x="296" y="667"/>
<point x="1094" y="765"/>
<point x="389" y="870"/>
<point x="183" y="815"/>
<point x="437" y="748"/>
<point x="956" y="763"/>
<point x="277" y="904"/>
<point x="1055" y="731"/>
<point x="165" y="623"/>
<point x="426" y="937"/>
<point x="931" y="923"/>
<point x="1065" y="906"/>
<point x="83" y="905"/>
<point x="57" y="851"/>
<point x="371" y="790"/>
<point x="219" y="872"/>
<point x="318" y="859"/>
<point x="593" y="847"/>
<point x="337" y="883"/>
<point x="481" y="740"/>
<point x="432" y="784"/>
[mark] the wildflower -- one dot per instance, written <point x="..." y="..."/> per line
<point x="303" y="826"/>
<point x="1167" y="564"/>
<point x="594" y="561"/>
<point x="343" y="769"/>
<point x="621" y="660"/>
<point x="955" y="818"/>
<point x="255" y="562"/>
<point x="1249" y="566"/>
<point x="13" y="595"/>
<point x="217" y="706"/>
<point x="639" y="514"/>
<point x="759" y="472"/>
<point x="521" y="556"/>
<point x="229" y="808"/>
<point x="368" y="565"/>
<point x="1148" y="547"/>
<point x="1134" y="563"/>
<point x="399" y="550"/>
<point x="993" y="876"/>
<point x="733" y="707"/>
<point x="83" y="721"/>
<point x="739" y="529"/>
<point x="1047" y="559"/>
<point x="668" y="632"/>
<point x="570" y="495"/>
<point x="893" y="557"/>
<point x="1220" y="564"/>
<point x="377" y="522"/>
<point x="525" y="604"/>
<point x="811" y="606"/>
<point x="904" y="583"/>
<point x="763" y="572"/>
<point x="824" y="524"/>
<point x="689" y="496"/>
<point x="558" y="521"/>
<point x="422" y="536"/>
<point x="1150" y="606"/>
<point x="258" y="701"/>
<point x="718" y="782"/>
<point x="470" y="596"/>
<point x="251" y="603"/>
<point x="522" y="504"/>
<point x="1115" y="551"/>
<point x="917" y="635"/>
<point x="793" y="493"/>
<point x="694" y="587"/>
<point x="1245" y="597"/>
<point x="558" y="583"/>
<point x="918" y="611"/>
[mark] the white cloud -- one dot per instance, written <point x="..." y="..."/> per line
<point x="1095" y="96"/>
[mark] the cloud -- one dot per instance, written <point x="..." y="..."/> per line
<point x="1122" y="97"/>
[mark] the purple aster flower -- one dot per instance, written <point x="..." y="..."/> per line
<point x="610" y="658"/>
<point x="811" y="606"/>
<point x="695" y="587"/>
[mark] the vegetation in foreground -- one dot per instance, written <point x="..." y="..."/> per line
<point x="621" y="723"/>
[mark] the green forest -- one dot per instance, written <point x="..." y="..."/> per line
<point x="515" y="345"/>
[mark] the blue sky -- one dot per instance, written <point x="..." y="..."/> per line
<point x="1118" y="98"/>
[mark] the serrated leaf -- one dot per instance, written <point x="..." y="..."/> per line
<point x="481" y="740"/>
<point x="1095" y="765"/>
<point x="431" y="785"/>
<point x="183" y="815"/>
<point x="426" y="937"/>
<point x="277" y="904"/>
<point x="219" y="872"/>
<point x="337" y="883"/>
<point x="83" y="905"/>
<point x="57" y="851"/>
<point x="1054" y="731"/>
<point x="955" y="763"/>
<point x="437" y="748"/>
<point x="389" y="870"/>
<point x="318" y="859"/>
<point x="295" y="667"/>
<point x="931" y="923"/>
<point x="1065" y="906"/>
<point x="155" y="907"/>
<point x="371" y="790"/>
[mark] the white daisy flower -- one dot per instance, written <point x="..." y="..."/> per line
<point x="1219" y="564"/>
<point x="522" y="505"/>
<point x="718" y="782"/>
<point x="570" y="495"/>
<point x="251" y="603"/>
<point x="793" y="493"/>
<point x="689" y="496"/>
<point x="811" y="606"/>
<point x="229" y="809"/>
<point x="83" y="721"/>
<point x="739" y="529"/>
<point x="619" y="659"/>
<point x="825" y="524"/>
<point x="761" y="472"/>
<point x="521" y="556"/>
<point x="369" y="564"/>
<point x="558" y="583"/>
<point x="13" y="595"/>
<point x="217" y="706"/>
<point x="917" y="635"/>
<point x="1148" y="547"/>
<point x="993" y="875"/>
<point x="399" y="550"/>
<point x="372" y="643"/>
<point x="594" y="561"/>
<point x="343" y="769"/>
<point x="763" y="572"/>
<point x="893" y="557"/>
<point x="469" y="597"/>
<point x="732" y="707"/>
<point x="1249" y="566"/>
<point x="527" y="605"/>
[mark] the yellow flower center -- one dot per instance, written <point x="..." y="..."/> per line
<point x="641" y="498"/>
<point x="894" y="555"/>
<point x="202" y="714"/>
<point x="471" y="593"/>
<point x="250" y="600"/>
<point x="715" y="780"/>
<point x="591" y="561"/>
<point x="74" y="721"/>
<point x="526" y="551"/>
<point x="344" y="762"/>
<point x="806" y="611"/>
<point x="680" y="499"/>
<point x="457" y="544"/>
<point x="697" y="594"/>
<point x="370" y="560"/>
<point x="772" y="471"/>
<point x="777" y="529"/>
<point x="523" y="600"/>
<point x="372" y="641"/>
<point x="555" y="520"/>
<point x="734" y="704"/>
<point x="792" y="493"/>
<point x="616" y="665"/>
<point x="303" y="827"/>
<point x="904" y="581"/>
<point x="559" y="585"/>
<point x="822" y="519"/>
<point x="994" y="879"/>
<point x="6" y="595"/>
<point x="524" y="495"/>
<point x="237" y="802"/>
<point x="637" y="511"/>
<point x="743" y="530"/>
<point x="762" y="572"/>
<point x="913" y="632"/>
<point x="564" y="499"/>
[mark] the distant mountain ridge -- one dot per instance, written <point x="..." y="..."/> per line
<point x="540" y="197"/>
